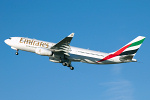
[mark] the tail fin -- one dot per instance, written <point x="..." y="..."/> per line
<point x="132" y="47"/>
<point x="128" y="51"/>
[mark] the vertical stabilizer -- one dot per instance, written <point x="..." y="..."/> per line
<point x="133" y="46"/>
<point x="128" y="51"/>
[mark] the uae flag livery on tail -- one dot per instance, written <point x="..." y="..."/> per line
<point x="130" y="49"/>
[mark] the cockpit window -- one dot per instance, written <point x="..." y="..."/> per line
<point x="10" y="38"/>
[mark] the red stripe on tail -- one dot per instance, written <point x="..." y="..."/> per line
<point x="115" y="54"/>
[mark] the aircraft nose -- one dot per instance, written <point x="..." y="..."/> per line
<point x="6" y="41"/>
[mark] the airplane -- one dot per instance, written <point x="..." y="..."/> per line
<point x="62" y="52"/>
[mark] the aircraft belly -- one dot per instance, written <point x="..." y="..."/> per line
<point x="85" y="59"/>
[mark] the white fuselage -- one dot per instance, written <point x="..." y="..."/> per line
<point x="62" y="52"/>
<point x="75" y="54"/>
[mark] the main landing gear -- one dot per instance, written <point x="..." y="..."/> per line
<point x="72" y="68"/>
<point x="68" y="65"/>
<point x="66" y="62"/>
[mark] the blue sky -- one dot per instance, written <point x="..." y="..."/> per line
<point x="98" y="25"/>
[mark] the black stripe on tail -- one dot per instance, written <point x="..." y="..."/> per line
<point x="129" y="52"/>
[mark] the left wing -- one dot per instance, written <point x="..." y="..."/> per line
<point x="63" y="46"/>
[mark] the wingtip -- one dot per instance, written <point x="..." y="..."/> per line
<point x="71" y="35"/>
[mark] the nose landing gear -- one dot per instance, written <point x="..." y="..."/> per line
<point x="17" y="52"/>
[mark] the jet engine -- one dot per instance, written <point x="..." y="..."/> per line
<point x="43" y="52"/>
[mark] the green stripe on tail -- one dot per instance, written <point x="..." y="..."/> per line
<point x="137" y="43"/>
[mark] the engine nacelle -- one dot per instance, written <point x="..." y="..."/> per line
<point x="43" y="52"/>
